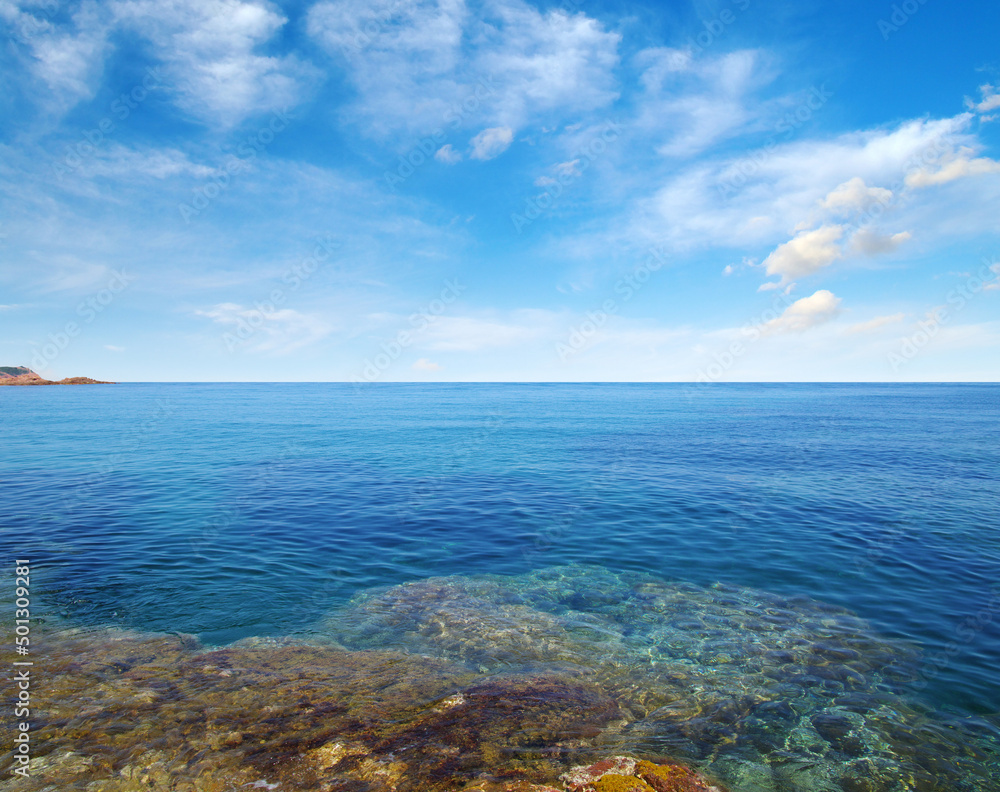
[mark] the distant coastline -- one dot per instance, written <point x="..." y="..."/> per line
<point x="22" y="375"/>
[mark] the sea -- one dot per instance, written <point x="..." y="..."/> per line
<point x="821" y="559"/>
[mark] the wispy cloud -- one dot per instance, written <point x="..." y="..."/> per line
<point x="412" y="72"/>
<point x="67" y="58"/>
<point x="804" y="314"/>
<point x="690" y="103"/>
<point x="281" y="330"/>
<point x="212" y="53"/>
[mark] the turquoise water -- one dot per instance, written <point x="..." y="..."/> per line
<point x="236" y="510"/>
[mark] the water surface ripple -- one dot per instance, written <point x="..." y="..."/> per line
<point x="235" y="510"/>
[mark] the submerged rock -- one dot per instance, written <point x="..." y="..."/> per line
<point x="505" y="684"/>
<point x="627" y="774"/>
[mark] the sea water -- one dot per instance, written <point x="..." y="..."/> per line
<point x="786" y="585"/>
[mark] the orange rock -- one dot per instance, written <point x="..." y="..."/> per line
<point x="625" y="774"/>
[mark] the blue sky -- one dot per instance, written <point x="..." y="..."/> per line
<point x="410" y="190"/>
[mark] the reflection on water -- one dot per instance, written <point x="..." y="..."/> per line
<point x="479" y="681"/>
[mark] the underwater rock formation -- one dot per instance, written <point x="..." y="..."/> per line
<point x="764" y="692"/>
<point x="572" y="679"/>
<point x="627" y="774"/>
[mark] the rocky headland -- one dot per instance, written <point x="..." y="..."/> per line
<point x="22" y="375"/>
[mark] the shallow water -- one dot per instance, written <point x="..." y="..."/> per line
<point x="472" y="681"/>
<point x="650" y="553"/>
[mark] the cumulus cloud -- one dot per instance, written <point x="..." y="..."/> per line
<point x="807" y="253"/>
<point x="874" y="324"/>
<point x="854" y="196"/>
<point x="447" y="155"/>
<point x="750" y="199"/>
<point x="804" y="314"/>
<point x="491" y="143"/>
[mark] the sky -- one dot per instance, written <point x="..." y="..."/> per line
<point x="420" y="190"/>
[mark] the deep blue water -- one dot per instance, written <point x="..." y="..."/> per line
<point x="231" y="510"/>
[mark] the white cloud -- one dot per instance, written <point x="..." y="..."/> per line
<point x="210" y="52"/>
<point x="491" y="143"/>
<point x="113" y="348"/>
<point x="854" y="196"/>
<point x="423" y="364"/>
<point x="960" y="167"/>
<point x="869" y="242"/>
<point x="874" y="324"/>
<point x="990" y="99"/>
<point x="807" y="253"/>
<point x="813" y="250"/>
<point x="447" y="155"/>
<point x="804" y="314"/>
